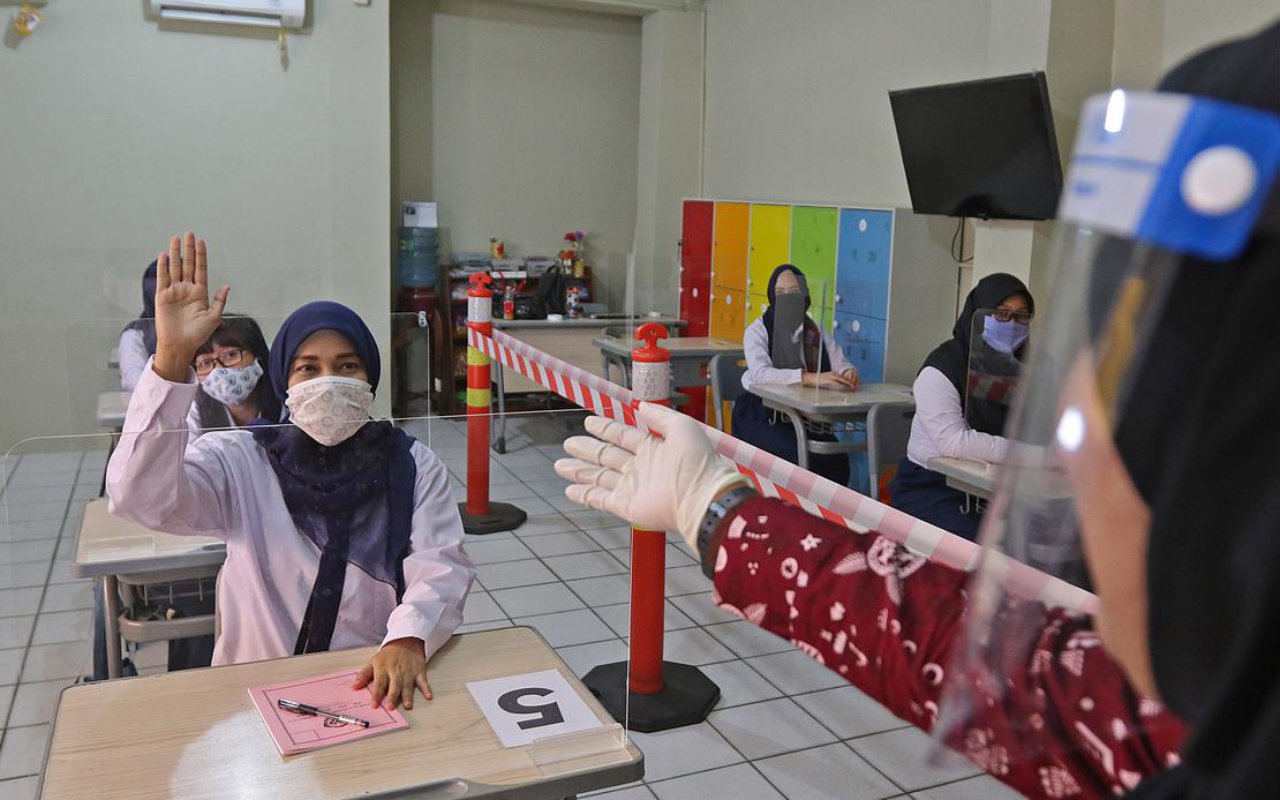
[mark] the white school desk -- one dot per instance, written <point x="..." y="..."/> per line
<point x="115" y="549"/>
<point x="689" y="356"/>
<point x="806" y="404"/>
<point x="977" y="478"/>
<point x="111" y="409"/>
<point x="196" y="733"/>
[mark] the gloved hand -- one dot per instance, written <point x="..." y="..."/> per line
<point x="662" y="484"/>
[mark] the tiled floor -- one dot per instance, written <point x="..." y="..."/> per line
<point x="785" y="727"/>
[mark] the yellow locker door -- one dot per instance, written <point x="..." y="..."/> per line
<point x="770" y="243"/>
<point x="727" y="314"/>
<point x="756" y="304"/>
<point x="729" y="245"/>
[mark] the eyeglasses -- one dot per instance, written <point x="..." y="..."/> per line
<point x="233" y="357"/>
<point x="1006" y="315"/>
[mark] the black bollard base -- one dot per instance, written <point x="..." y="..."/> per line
<point x="687" y="697"/>
<point x="501" y="517"/>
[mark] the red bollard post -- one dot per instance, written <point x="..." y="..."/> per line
<point x="479" y="516"/>
<point x="649" y="694"/>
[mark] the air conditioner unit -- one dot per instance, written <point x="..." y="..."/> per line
<point x="259" y="13"/>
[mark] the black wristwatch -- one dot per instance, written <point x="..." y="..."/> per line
<point x="717" y="510"/>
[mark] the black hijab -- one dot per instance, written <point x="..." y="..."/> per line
<point x="354" y="500"/>
<point x="812" y="335"/>
<point x="951" y="358"/>
<point x="146" y="321"/>
<point x="1210" y="471"/>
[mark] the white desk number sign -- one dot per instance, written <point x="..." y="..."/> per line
<point x="525" y="708"/>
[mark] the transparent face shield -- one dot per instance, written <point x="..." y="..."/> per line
<point x="1156" y="179"/>
<point x="997" y="343"/>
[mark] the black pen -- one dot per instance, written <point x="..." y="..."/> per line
<point x="302" y="708"/>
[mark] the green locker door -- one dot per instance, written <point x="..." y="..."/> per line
<point x="813" y="250"/>
<point x="770" y="243"/>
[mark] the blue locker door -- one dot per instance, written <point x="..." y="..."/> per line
<point x="862" y="263"/>
<point x="862" y="340"/>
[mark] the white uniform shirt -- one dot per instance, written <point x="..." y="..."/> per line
<point x="760" y="369"/>
<point x="940" y="429"/>
<point x="132" y="355"/>
<point x="223" y="486"/>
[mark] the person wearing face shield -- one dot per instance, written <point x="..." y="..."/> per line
<point x="1156" y="428"/>
<point x="234" y="387"/>
<point x="785" y="347"/>
<point x="341" y="531"/>
<point x="962" y="396"/>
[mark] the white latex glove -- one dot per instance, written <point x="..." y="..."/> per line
<point x="660" y="484"/>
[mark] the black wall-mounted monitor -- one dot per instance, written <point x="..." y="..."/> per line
<point x="982" y="148"/>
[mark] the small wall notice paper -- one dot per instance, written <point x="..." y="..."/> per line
<point x="297" y="733"/>
<point x="525" y="708"/>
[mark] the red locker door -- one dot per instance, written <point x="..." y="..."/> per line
<point x="695" y="266"/>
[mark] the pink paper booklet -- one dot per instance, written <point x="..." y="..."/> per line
<point x="297" y="733"/>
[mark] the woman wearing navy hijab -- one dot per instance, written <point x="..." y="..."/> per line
<point x="783" y="348"/>
<point x="341" y="531"/>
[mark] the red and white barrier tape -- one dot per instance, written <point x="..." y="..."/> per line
<point x="777" y="477"/>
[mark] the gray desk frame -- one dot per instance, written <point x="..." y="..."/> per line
<point x="798" y="403"/>
<point x="202" y="560"/>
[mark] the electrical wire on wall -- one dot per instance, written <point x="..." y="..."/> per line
<point x="958" y="257"/>
<point x="962" y="263"/>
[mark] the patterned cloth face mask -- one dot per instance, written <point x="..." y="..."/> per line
<point x="330" y="409"/>
<point x="231" y="386"/>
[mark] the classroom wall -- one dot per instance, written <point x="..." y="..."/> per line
<point x="119" y="131"/>
<point x="1153" y="35"/>
<point x="521" y="121"/>
<point x="670" y="163"/>
<point x="796" y="103"/>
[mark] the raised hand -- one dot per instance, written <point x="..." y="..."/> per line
<point x="185" y="317"/>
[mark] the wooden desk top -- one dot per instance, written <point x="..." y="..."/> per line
<point x="196" y="733"/>
<point x="682" y="347"/>
<point x="109" y="545"/>
<point x="812" y="401"/>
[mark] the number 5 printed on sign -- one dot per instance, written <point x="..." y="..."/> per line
<point x="522" y="709"/>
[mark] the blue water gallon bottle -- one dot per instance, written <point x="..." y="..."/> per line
<point x="418" y="257"/>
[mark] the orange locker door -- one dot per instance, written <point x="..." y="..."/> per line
<point x="727" y="313"/>
<point x="770" y="243"/>
<point x="729" y="245"/>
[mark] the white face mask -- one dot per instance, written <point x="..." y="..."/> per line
<point x="231" y="386"/>
<point x="330" y="409"/>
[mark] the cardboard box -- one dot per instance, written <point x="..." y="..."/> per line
<point x="419" y="215"/>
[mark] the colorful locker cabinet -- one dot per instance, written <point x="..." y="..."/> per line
<point x="813" y="250"/>
<point x="862" y="288"/>
<point x="695" y="267"/>
<point x="770" y="246"/>
<point x="730" y="245"/>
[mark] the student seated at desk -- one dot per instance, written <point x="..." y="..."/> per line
<point x="138" y="339"/>
<point x="783" y="348"/>
<point x="953" y="421"/>
<point x="341" y="531"/>
<point x="234" y="387"/>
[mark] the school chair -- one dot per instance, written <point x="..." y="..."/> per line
<point x="888" y="429"/>
<point x="726" y="383"/>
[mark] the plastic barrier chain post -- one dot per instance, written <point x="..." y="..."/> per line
<point x="479" y="516"/>
<point x="656" y="695"/>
